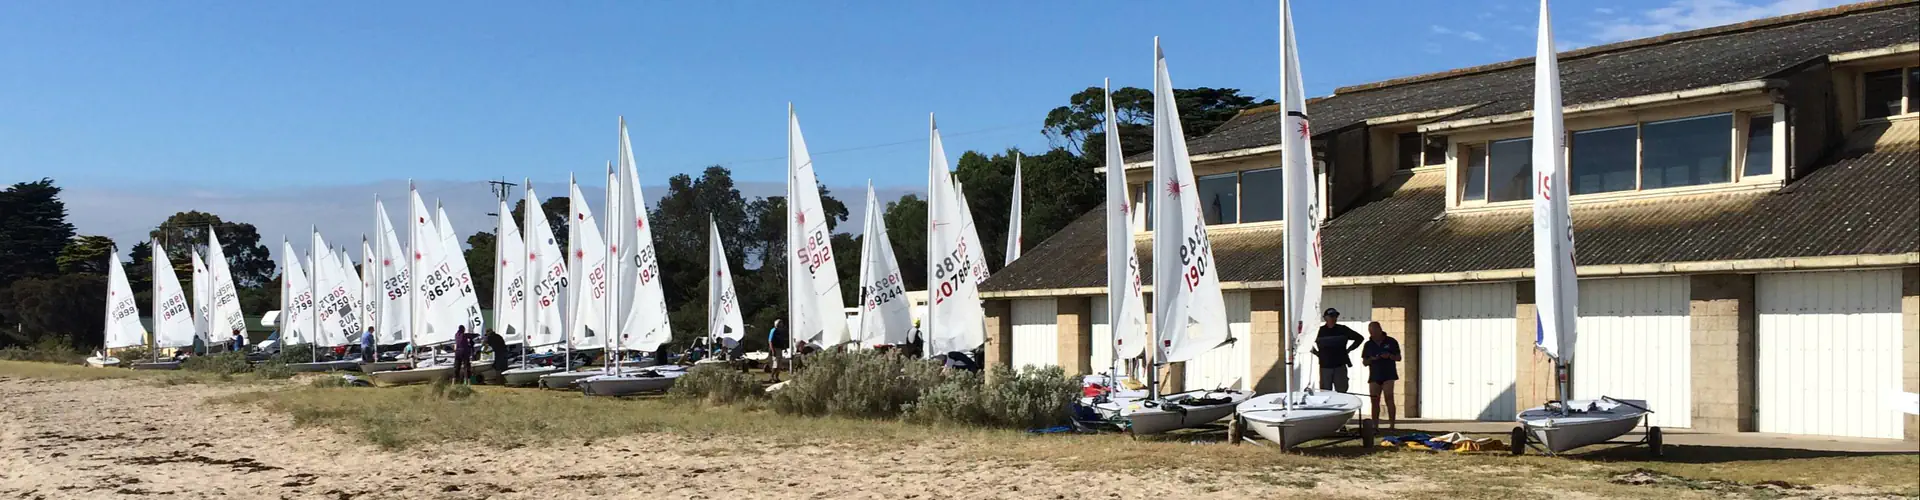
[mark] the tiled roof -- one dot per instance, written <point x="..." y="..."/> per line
<point x="1864" y="202"/>
<point x="1670" y="63"/>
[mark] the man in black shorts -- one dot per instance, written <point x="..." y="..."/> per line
<point x="1379" y="354"/>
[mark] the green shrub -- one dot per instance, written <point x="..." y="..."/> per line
<point x="1033" y="397"/>
<point x="444" y="389"/>
<point x="55" y="349"/>
<point x="273" y="370"/>
<point x="226" y="363"/>
<point x="718" y="384"/>
<point x="326" y="382"/>
<point x="953" y="397"/>
<point x="862" y="384"/>
<point x="302" y="353"/>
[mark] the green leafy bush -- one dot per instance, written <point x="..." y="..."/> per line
<point x="302" y="353"/>
<point x="226" y="363"/>
<point x="273" y="370"/>
<point x="48" y="350"/>
<point x="866" y="384"/>
<point x="718" y="384"/>
<point x="862" y="384"/>
<point x="1033" y="397"/>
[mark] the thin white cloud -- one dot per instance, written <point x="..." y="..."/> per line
<point x="1463" y="34"/>
<point x="1471" y="36"/>
<point x="1683" y="15"/>
<point x="1603" y="11"/>
<point x="1430" y="48"/>
<point x="1440" y="30"/>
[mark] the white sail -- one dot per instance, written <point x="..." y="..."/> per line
<point x="227" y="316"/>
<point x="395" y="281"/>
<point x="549" y="276"/>
<point x="296" y="299"/>
<point x="978" y="253"/>
<point x="1190" y="316"/>
<point x="1014" y="217"/>
<point x="202" y="299"/>
<point x="457" y="298"/>
<point x="335" y="297"/>
<point x="723" y="303"/>
<point x="509" y="278"/>
<point x="427" y="324"/>
<point x="589" y="265"/>
<point x="172" y="316"/>
<point x="885" y="315"/>
<point x="1555" y="290"/>
<point x="955" y="320"/>
<point x="1126" y="313"/>
<point x="818" y="288"/>
<point x="1301" y="206"/>
<point x="646" y="325"/>
<point x="123" y="327"/>
<point x="370" y="297"/>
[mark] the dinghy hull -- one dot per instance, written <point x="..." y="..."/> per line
<point x="527" y="377"/>
<point x="324" y="366"/>
<point x="1311" y="416"/>
<point x="100" y="362"/>
<point x="627" y="384"/>
<point x="1173" y="412"/>
<point x="157" y="365"/>
<point x="566" y="380"/>
<point x="412" y="376"/>
<point x="1559" y="431"/>
<point x="384" y="366"/>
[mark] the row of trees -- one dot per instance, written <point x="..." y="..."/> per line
<point x="52" y="280"/>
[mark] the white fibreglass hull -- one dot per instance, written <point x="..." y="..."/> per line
<point x="627" y="384"/>
<point x="102" y="362"/>
<point x="1312" y="415"/>
<point x="527" y="377"/>
<point x="324" y="366"/>
<point x="1172" y="412"/>
<point x="1561" y="431"/>
<point x="413" y="376"/>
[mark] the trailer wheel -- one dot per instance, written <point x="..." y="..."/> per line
<point x="1368" y="429"/>
<point x="1519" y="436"/>
<point x="1656" y="442"/>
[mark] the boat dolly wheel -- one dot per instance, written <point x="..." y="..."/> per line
<point x="1519" y="437"/>
<point x="1368" y="429"/>
<point x="1656" y="442"/>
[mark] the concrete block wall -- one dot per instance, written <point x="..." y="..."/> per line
<point x="1910" y="321"/>
<point x="1074" y="322"/>
<point x="999" y="332"/>
<point x="1533" y="381"/>
<point x="1268" y="327"/>
<point x="1722" y="311"/>
<point x="1397" y="308"/>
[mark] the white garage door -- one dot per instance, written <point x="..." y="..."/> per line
<point x="1356" y="310"/>
<point x="1636" y="342"/>
<point x="1102" y="355"/>
<point x="1467" y="350"/>
<point x="1035" y="339"/>
<point x="1828" y="348"/>
<point x="1226" y="366"/>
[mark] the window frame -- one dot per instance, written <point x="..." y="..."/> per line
<point x="1737" y="132"/>
<point x="1909" y="103"/>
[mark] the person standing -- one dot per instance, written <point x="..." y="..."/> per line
<point x="1333" y="346"/>
<point x="462" y="354"/>
<point x="369" y="350"/>
<point x="776" y="346"/>
<point x="1379" y="354"/>
<point x="498" y="345"/>
<point x="239" y="343"/>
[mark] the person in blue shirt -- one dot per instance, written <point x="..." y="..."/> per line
<point x="239" y="343"/>
<point x="369" y="351"/>
<point x="1379" y="354"/>
<point x="776" y="345"/>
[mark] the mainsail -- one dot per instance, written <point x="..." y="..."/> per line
<point x="1126" y="313"/>
<point x="818" y="313"/>
<point x="955" y="318"/>
<point x="590" y="268"/>
<point x="723" y="303"/>
<point x="172" y="316"/>
<point x="370" y="297"/>
<point x="1013" y="217"/>
<point x="123" y="311"/>
<point x="1555" y="290"/>
<point x="509" y="278"/>
<point x="452" y="283"/>
<point x="395" y="281"/>
<point x="334" y="297"/>
<point x="549" y="270"/>
<point x="885" y="314"/>
<point x="227" y="316"/>
<point x="1190" y="316"/>
<point x="1301" y="204"/>
<point x="647" y="325"/>
<point x="296" y="297"/>
<point x="202" y="299"/>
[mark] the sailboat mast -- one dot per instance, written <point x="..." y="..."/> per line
<point x="613" y="265"/>
<point x="926" y="333"/>
<point x="313" y="287"/>
<point x="153" y="272"/>
<point x="793" y="268"/>
<point x="413" y="272"/>
<point x="527" y="292"/>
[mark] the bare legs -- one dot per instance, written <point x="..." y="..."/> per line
<point x="1383" y="391"/>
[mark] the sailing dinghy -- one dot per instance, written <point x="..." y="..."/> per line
<point x="1125" y="311"/>
<point x="547" y="276"/>
<point x="587" y="332"/>
<point x="637" y="278"/>
<point x="123" y="327"/>
<point x="431" y="318"/>
<point x="1562" y="425"/>
<point x="1297" y="416"/>
<point x="172" y="316"/>
<point x="392" y="284"/>
<point x="1190" y="315"/>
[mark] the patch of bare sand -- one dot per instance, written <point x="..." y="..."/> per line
<point x="126" y="439"/>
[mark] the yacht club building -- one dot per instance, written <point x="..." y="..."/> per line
<point x="1746" y="209"/>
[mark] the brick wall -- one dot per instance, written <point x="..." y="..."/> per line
<point x="1397" y="308"/>
<point x="1534" y="383"/>
<point x="1722" y="313"/>
<point x="1074" y="322"/>
<point x="1268" y="362"/>
<point x="999" y="332"/>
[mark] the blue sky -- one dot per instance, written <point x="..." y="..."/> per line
<point x="213" y="99"/>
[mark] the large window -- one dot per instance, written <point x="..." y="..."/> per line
<point x="1263" y="201"/>
<point x="1686" y="152"/>
<point x="1220" y="198"/>
<point x="1407" y="151"/>
<point x="1604" y="160"/>
<point x="1476" y="182"/>
<point x="1759" y="146"/>
<point x="1509" y="165"/>
<point x="1881" y="91"/>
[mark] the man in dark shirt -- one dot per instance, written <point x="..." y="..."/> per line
<point x="498" y="345"/>
<point x="1380" y="354"/>
<point x="462" y="355"/>
<point x="1332" y="346"/>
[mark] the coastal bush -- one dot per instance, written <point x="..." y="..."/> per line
<point x="1030" y="398"/>
<point x="953" y="398"/>
<point x="273" y="370"/>
<point x="131" y="355"/>
<point x="302" y="353"/>
<point x="866" y="384"/>
<point x="718" y="384"/>
<point x="226" y="363"/>
<point x="48" y="350"/>
<point x="445" y="389"/>
<point x="861" y="384"/>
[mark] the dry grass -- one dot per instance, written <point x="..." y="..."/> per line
<point x="59" y="371"/>
<point x="395" y="418"/>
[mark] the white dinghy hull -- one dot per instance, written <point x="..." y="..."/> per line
<point x="1172" y="412"/>
<point x="413" y="376"/>
<point x="566" y="380"/>
<point x="157" y="365"/>
<point x="1596" y="421"/>
<point x="1313" y="415"/>
<point x="384" y="366"/>
<point x="526" y="377"/>
<point x="627" y="384"/>
<point x="102" y="362"/>
<point x="324" y="366"/>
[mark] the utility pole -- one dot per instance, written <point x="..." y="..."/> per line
<point x="500" y="189"/>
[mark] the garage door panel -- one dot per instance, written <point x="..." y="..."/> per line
<point x="1035" y="338"/>
<point x="1227" y="366"/>
<point x="1828" y="349"/>
<point x="1467" y="351"/>
<point x="1635" y="341"/>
